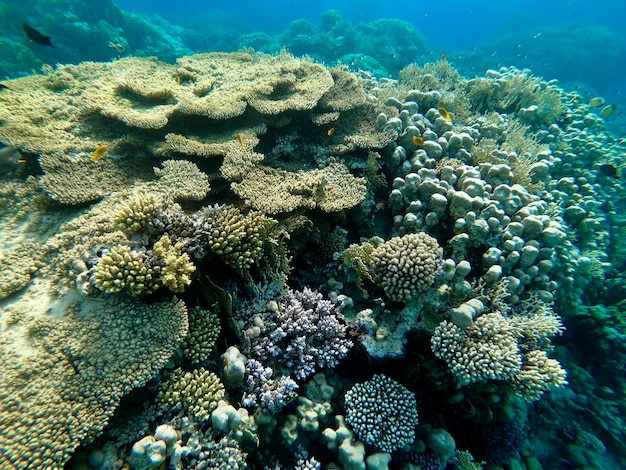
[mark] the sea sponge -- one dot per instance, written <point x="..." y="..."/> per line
<point x="195" y="392"/>
<point x="124" y="269"/>
<point x="175" y="265"/>
<point x="405" y="266"/>
<point x="382" y="412"/>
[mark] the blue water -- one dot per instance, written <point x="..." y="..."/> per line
<point x="581" y="44"/>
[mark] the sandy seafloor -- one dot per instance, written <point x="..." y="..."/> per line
<point x="327" y="243"/>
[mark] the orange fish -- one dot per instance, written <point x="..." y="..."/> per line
<point x="240" y="140"/>
<point x="417" y="140"/>
<point x="444" y="57"/>
<point x="330" y="131"/>
<point x="99" y="152"/>
<point x="445" y="114"/>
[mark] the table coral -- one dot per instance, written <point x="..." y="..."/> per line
<point x="382" y="412"/>
<point x="405" y="266"/>
<point x="63" y="376"/>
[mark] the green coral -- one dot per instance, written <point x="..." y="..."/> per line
<point x="125" y="269"/>
<point x="358" y="258"/>
<point x="176" y="266"/>
<point x="236" y="238"/>
<point x="204" y="330"/>
<point x="195" y="392"/>
<point x="136" y="214"/>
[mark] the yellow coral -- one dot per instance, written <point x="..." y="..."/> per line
<point x="176" y="266"/>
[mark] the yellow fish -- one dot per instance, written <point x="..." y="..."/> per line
<point x="330" y="131"/>
<point x="445" y="114"/>
<point x="597" y="101"/>
<point x="240" y="140"/>
<point x="607" y="110"/>
<point x="417" y="140"/>
<point x="99" y="152"/>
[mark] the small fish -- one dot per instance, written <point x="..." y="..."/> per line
<point x="99" y="153"/>
<point x="417" y="140"/>
<point x="177" y="79"/>
<point x="4" y="87"/>
<point x="36" y="36"/>
<point x="444" y="57"/>
<point x="597" y="101"/>
<point x="330" y="131"/>
<point x="10" y="158"/>
<point x="607" y="110"/>
<point x="607" y="169"/>
<point x="118" y="47"/>
<point x="445" y="114"/>
<point x="240" y="140"/>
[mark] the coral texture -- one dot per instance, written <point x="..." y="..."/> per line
<point x="78" y="367"/>
<point x="405" y="266"/>
<point x="382" y="412"/>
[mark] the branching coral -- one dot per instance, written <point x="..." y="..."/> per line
<point x="125" y="269"/>
<point x="196" y="392"/>
<point x="136" y="214"/>
<point x="204" y="330"/>
<point x="303" y="333"/>
<point x="175" y="265"/>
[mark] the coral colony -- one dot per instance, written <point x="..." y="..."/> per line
<point x="277" y="264"/>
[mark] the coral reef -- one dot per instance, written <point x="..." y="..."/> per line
<point x="382" y="412"/>
<point x="406" y="266"/>
<point x="69" y="371"/>
<point x="196" y="393"/>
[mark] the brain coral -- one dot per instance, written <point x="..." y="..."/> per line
<point x="406" y="266"/>
<point x="62" y="376"/>
<point x="382" y="412"/>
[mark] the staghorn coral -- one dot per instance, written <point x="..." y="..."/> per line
<point x="194" y="393"/>
<point x="175" y="266"/>
<point x="124" y="269"/>
<point x="382" y="412"/>
<point x="62" y="376"/>
<point x="486" y="350"/>
<point x="204" y="330"/>
<point x="405" y="266"/>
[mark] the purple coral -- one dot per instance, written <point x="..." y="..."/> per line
<point x="261" y="389"/>
<point x="308" y="334"/>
